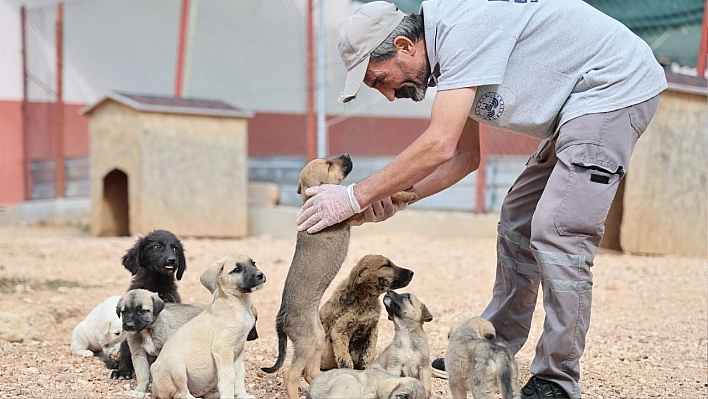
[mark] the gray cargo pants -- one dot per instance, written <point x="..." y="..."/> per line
<point x="551" y="224"/>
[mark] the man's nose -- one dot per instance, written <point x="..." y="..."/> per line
<point x="390" y="94"/>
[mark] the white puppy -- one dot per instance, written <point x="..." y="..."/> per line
<point x="100" y="327"/>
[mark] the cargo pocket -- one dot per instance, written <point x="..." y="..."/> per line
<point x="591" y="187"/>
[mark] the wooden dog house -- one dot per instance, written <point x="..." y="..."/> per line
<point x="168" y="163"/>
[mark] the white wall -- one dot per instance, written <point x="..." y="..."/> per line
<point x="248" y="52"/>
<point x="10" y="51"/>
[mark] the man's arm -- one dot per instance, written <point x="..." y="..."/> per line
<point x="441" y="151"/>
<point x="465" y="161"/>
<point x="446" y="152"/>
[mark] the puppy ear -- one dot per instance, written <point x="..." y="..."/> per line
<point x="487" y="331"/>
<point x="299" y="187"/>
<point x="427" y="316"/>
<point x="104" y="327"/>
<point x="349" y="297"/>
<point x="120" y="305"/>
<point x="131" y="260"/>
<point x="211" y="275"/>
<point x="157" y="304"/>
<point x="181" y="261"/>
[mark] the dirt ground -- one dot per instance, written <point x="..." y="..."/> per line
<point x="647" y="339"/>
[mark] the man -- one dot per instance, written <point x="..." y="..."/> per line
<point x="557" y="70"/>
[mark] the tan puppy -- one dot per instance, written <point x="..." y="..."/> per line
<point x="476" y="361"/>
<point x="315" y="263"/>
<point x="372" y="383"/>
<point x="207" y="352"/>
<point x="356" y="302"/>
<point x="408" y="355"/>
<point x="149" y="321"/>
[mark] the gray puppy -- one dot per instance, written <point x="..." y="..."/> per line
<point x="214" y="357"/>
<point x="149" y="321"/>
<point x="475" y="360"/>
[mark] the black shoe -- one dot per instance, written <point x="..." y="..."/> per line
<point x="439" y="368"/>
<point x="538" y="388"/>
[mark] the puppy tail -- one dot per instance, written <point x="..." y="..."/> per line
<point x="282" y="350"/>
<point x="506" y="386"/>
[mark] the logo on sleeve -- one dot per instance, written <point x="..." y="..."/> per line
<point x="490" y="106"/>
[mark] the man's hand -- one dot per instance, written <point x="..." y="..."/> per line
<point x="379" y="211"/>
<point x="329" y="205"/>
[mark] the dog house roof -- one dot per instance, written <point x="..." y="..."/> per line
<point x="171" y="105"/>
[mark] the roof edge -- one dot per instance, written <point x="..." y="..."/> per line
<point x="125" y="100"/>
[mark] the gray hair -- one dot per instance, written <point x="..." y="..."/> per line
<point x="411" y="27"/>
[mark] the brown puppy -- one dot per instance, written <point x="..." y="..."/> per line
<point x="315" y="263"/>
<point x="477" y="361"/>
<point x="408" y="355"/>
<point x="355" y="302"/>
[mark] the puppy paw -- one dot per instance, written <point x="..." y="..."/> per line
<point x="85" y="353"/>
<point x="407" y="196"/>
<point x="121" y="375"/>
<point x="136" y="394"/>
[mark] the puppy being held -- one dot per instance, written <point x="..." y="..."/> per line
<point x="408" y="355"/>
<point x="149" y="321"/>
<point x="356" y="302"/>
<point x="156" y="262"/>
<point x="477" y="362"/>
<point x="372" y="383"/>
<point x="99" y="328"/>
<point x="207" y="351"/>
<point x="316" y="261"/>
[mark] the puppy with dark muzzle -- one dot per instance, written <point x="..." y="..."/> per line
<point x="156" y="262"/>
<point x="356" y="302"/>
<point x="207" y="352"/>
<point x="408" y="355"/>
<point x="149" y="321"/>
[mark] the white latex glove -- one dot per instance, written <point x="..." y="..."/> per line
<point x="380" y="210"/>
<point x="329" y="205"/>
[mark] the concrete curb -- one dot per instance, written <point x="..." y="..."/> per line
<point x="278" y="222"/>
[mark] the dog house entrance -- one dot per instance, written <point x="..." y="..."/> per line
<point x="115" y="205"/>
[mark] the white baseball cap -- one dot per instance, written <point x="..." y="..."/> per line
<point x="361" y="34"/>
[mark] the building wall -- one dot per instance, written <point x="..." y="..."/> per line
<point x="11" y="141"/>
<point x="666" y="193"/>
<point x="12" y="169"/>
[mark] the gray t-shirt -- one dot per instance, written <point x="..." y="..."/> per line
<point x="537" y="63"/>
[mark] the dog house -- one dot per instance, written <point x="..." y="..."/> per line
<point x="168" y="163"/>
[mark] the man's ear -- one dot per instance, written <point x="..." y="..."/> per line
<point x="404" y="44"/>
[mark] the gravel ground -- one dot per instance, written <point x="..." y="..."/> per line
<point x="647" y="337"/>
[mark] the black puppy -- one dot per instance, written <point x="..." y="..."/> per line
<point x="154" y="261"/>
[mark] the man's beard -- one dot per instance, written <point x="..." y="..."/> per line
<point x="416" y="86"/>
